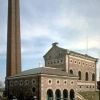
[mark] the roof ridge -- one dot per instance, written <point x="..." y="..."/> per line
<point x="62" y="48"/>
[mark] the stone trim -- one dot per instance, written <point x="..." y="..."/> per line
<point x="57" y="82"/>
<point x="59" y="76"/>
<point x="49" y="83"/>
<point x="85" y="83"/>
<point x="18" y="77"/>
<point x="88" y="60"/>
<point x="83" y="56"/>
<point x="72" y="82"/>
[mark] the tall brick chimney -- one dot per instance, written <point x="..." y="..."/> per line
<point x="13" y="65"/>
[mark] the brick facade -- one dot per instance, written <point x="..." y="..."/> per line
<point x="67" y="74"/>
<point x="75" y="63"/>
<point x="41" y="83"/>
<point x="45" y="85"/>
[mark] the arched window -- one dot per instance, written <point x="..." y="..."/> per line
<point x="58" y="94"/>
<point x="93" y="77"/>
<point x="72" y="94"/>
<point x="86" y="76"/>
<point x="79" y="75"/>
<point x="65" y="93"/>
<point x="49" y="94"/>
<point x="71" y="71"/>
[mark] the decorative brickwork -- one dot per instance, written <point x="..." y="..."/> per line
<point x="78" y="64"/>
<point x="45" y="86"/>
<point x="41" y="84"/>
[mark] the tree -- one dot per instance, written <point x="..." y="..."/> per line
<point x="1" y="84"/>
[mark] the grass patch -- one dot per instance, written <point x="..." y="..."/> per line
<point x="90" y="95"/>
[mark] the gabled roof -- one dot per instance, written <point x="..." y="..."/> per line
<point x="43" y="70"/>
<point x="82" y="55"/>
<point x="56" y="47"/>
<point x="71" y="52"/>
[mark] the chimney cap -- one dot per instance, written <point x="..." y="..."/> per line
<point x="55" y="44"/>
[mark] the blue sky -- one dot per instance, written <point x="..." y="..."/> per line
<point x="44" y="22"/>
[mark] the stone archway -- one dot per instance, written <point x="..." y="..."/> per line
<point x="49" y="94"/>
<point x="58" y="94"/>
<point x="65" y="94"/>
<point x="72" y="94"/>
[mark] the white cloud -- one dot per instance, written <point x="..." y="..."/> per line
<point x="33" y="32"/>
<point x="73" y="21"/>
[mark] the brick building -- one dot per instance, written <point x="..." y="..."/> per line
<point x="43" y="82"/>
<point x="64" y="75"/>
<point x="83" y="66"/>
<point x="68" y="73"/>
